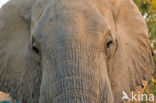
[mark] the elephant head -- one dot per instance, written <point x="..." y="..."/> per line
<point x="72" y="51"/>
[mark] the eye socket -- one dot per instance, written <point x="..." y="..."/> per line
<point x="110" y="46"/>
<point x="35" y="52"/>
<point x="34" y="48"/>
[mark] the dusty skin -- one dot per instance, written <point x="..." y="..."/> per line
<point x="72" y="51"/>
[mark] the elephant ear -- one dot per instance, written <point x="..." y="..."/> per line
<point x="17" y="73"/>
<point x="132" y="62"/>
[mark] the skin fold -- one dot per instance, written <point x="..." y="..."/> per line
<point x="72" y="51"/>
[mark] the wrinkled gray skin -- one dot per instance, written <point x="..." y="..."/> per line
<point x="72" y="51"/>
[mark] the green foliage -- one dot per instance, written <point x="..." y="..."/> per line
<point x="148" y="10"/>
<point x="152" y="87"/>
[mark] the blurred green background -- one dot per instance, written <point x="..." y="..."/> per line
<point x="148" y="10"/>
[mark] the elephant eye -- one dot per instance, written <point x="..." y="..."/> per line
<point x="110" y="46"/>
<point x="34" y="48"/>
<point x="35" y="52"/>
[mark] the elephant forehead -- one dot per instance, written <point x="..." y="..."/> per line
<point x="66" y="19"/>
<point x="76" y="19"/>
<point x="99" y="11"/>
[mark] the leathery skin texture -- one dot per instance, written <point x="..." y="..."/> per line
<point x="72" y="51"/>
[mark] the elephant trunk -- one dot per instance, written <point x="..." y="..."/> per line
<point x="74" y="89"/>
<point x="70" y="75"/>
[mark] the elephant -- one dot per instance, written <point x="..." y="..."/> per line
<point x="73" y="51"/>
